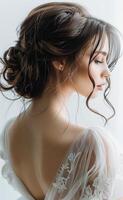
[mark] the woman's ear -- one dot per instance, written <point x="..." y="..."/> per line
<point x="59" y="64"/>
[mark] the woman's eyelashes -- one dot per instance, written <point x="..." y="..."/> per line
<point x="98" y="61"/>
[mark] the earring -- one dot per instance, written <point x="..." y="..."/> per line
<point x="61" y="68"/>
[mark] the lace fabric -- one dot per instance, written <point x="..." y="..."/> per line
<point x="73" y="178"/>
<point x="78" y="178"/>
<point x="102" y="185"/>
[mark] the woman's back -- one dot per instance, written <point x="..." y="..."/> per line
<point x="79" y="167"/>
<point x="35" y="160"/>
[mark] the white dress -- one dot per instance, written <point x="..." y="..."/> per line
<point x="78" y="177"/>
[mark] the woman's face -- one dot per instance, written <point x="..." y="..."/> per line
<point x="98" y="70"/>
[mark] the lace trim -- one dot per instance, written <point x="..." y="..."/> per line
<point x="102" y="185"/>
<point x="66" y="168"/>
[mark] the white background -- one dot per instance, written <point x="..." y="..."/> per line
<point x="11" y="15"/>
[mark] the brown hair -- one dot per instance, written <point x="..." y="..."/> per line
<point x="52" y="31"/>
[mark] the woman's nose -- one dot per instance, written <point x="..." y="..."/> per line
<point x="106" y="72"/>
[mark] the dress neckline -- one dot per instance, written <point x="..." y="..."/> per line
<point x="28" y="194"/>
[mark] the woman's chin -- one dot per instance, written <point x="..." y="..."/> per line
<point x="94" y="95"/>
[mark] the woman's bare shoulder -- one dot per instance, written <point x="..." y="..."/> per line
<point x="17" y="138"/>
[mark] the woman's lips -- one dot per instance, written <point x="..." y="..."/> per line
<point x="100" y="87"/>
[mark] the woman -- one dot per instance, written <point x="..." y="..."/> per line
<point x="61" y="49"/>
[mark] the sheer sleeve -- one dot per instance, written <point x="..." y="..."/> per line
<point x="89" y="171"/>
